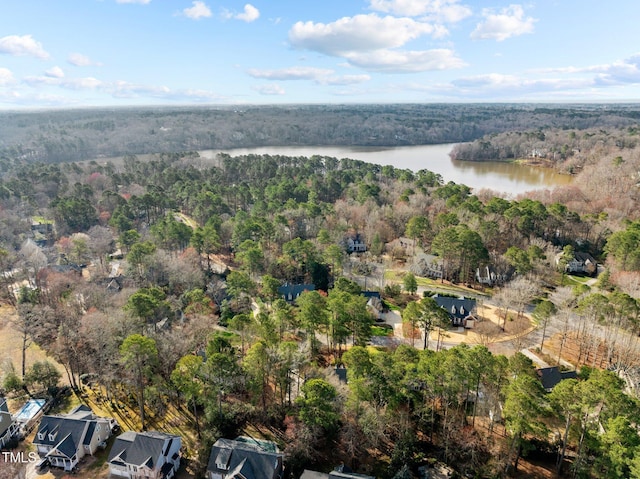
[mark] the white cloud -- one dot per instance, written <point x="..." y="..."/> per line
<point x="626" y="71"/>
<point x="87" y="83"/>
<point x="293" y="73"/>
<point x="359" y="33"/>
<point x="620" y="72"/>
<point x="445" y="11"/>
<point x="127" y="90"/>
<point x="346" y="80"/>
<point x="124" y="89"/>
<point x="499" y="86"/>
<point x="371" y="42"/>
<point x="29" y="99"/>
<point x="394" y="61"/>
<point x="22" y="46"/>
<point x="54" y="72"/>
<point x="271" y="89"/>
<point x="510" y="22"/>
<point x="80" y="60"/>
<point x="250" y="14"/>
<point x="197" y="11"/>
<point x="571" y="82"/>
<point x="143" y="2"/>
<point x="6" y="76"/>
<point x="320" y="76"/>
<point x="40" y="93"/>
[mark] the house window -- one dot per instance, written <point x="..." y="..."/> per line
<point x="41" y="436"/>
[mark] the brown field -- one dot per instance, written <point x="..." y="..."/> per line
<point x="11" y="345"/>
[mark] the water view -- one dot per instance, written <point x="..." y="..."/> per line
<point x="509" y="178"/>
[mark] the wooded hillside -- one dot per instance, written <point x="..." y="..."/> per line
<point x="71" y="135"/>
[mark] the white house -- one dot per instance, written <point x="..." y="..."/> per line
<point x="355" y="244"/>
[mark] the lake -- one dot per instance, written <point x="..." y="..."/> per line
<point x="508" y="178"/>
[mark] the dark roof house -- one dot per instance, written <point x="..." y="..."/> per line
<point x="66" y="439"/>
<point x="374" y="303"/>
<point x="8" y="425"/>
<point x="290" y="292"/>
<point x="460" y="309"/>
<point x="550" y="377"/>
<point x="149" y="454"/>
<point x="244" y="458"/>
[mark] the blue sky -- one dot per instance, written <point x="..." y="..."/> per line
<point x="76" y="53"/>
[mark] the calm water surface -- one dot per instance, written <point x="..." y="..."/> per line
<point x="509" y="178"/>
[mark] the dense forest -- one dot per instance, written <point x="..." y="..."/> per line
<point x="565" y="149"/>
<point x="159" y="280"/>
<point x="58" y="136"/>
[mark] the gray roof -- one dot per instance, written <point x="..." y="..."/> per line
<point x="66" y="433"/>
<point x="81" y="412"/>
<point x="89" y="434"/>
<point x="141" y="448"/>
<point x="5" y="417"/>
<point x="67" y="447"/>
<point x="551" y="376"/>
<point x="5" y="422"/>
<point x="56" y="429"/>
<point x="458" y="308"/>
<point x="244" y="459"/>
<point x="290" y="292"/>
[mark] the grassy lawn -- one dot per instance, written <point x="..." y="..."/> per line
<point x="380" y="331"/>
<point x="578" y="279"/>
<point x="394" y="276"/>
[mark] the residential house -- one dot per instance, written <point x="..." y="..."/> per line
<point x="290" y="292"/>
<point x="490" y="275"/>
<point x="460" y="310"/>
<point x="42" y="231"/>
<point x="551" y="376"/>
<point x="356" y="244"/>
<point x="374" y="303"/>
<point x="244" y="458"/>
<point x="65" y="439"/>
<point x="9" y="428"/>
<point x="581" y="263"/>
<point x="148" y="455"/>
<point x="428" y="266"/>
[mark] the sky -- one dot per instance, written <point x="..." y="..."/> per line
<point x="84" y="53"/>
